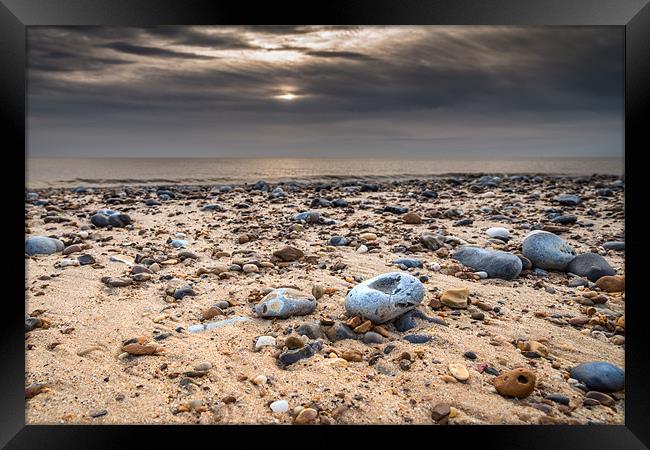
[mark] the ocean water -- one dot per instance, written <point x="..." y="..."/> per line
<point x="71" y="172"/>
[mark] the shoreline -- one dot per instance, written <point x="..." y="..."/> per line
<point x="304" y="181"/>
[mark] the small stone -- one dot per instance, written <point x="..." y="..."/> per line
<point x="306" y="416"/>
<point x="440" y="412"/>
<point x="590" y="265"/>
<point x="289" y="254"/>
<point x="352" y="356"/>
<point x="497" y="264"/>
<point x="285" y="302"/>
<point x="455" y="298"/>
<point x="364" y="327"/>
<point x="293" y="342"/>
<point x="412" y="218"/>
<point x="260" y="380"/>
<point x="417" y="338"/>
<point x="459" y="371"/>
<point x="547" y="250"/>
<point x="477" y="315"/>
<point x="264" y="341"/>
<point x="615" y="283"/>
<point x="317" y="291"/>
<point x="557" y="398"/>
<point x="516" y="383"/>
<point x="603" y="399"/>
<point x="373" y="338"/>
<point x="250" y="268"/>
<point x="279" y="406"/>
<point x="469" y="355"/>
<point x="203" y="366"/>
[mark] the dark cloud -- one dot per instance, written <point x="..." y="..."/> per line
<point x="142" y="50"/>
<point x="369" y="89"/>
<point x="344" y="55"/>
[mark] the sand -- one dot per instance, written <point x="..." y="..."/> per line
<point x="85" y="313"/>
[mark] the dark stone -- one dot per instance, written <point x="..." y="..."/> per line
<point x="373" y="338"/>
<point x="417" y="338"/>
<point x="590" y="265"/>
<point x="396" y="209"/>
<point x="600" y="376"/>
<point x="470" y="355"/>
<point x="85" y="260"/>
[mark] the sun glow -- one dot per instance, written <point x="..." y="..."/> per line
<point x="288" y="96"/>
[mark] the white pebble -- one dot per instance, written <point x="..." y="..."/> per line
<point x="498" y="232"/>
<point x="362" y="249"/>
<point x="264" y="341"/>
<point x="180" y="235"/>
<point x="481" y="275"/>
<point x="68" y="262"/>
<point x="435" y="267"/>
<point x="260" y="380"/>
<point x="280" y="406"/>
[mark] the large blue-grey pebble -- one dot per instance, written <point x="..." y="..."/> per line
<point x="42" y="245"/>
<point x="590" y="265"/>
<point x="285" y="302"/>
<point x="496" y="264"/>
<point x="384" y="297"/>
<point x="600" y="376"/>
<point x="547" y="250"/>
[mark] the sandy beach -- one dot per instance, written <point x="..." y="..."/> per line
<point x="115" y="291"/>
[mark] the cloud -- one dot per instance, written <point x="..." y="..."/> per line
<point x="357" y="87"/>
<point x="141" y="50"/>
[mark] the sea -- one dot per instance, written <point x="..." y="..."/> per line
<point x="97" y="172"/>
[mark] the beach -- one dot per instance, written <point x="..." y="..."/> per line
<point x="118" y="316"/>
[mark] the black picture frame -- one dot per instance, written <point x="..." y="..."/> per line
<point x="633" y="15"/>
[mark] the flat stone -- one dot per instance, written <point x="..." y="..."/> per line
<point x="384" y="297"/>
<point x="455" y="298"/>
<point x="285" y="302"/>
<point x="459" y="371"/>
<point x="289" y="254"/>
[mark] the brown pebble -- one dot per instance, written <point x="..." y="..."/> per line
<point x="293" y="342"/>
<point x="615" y="283"/>
<point x="603" y="399"/>
<point x="307" y="415"/>
<point x="518" y="383"/>
<point x="352" y="356"/>
<point x="440" y="411"/>
<point x="364" y="327"/>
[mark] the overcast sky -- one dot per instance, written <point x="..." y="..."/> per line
<point x="325" y="91"/>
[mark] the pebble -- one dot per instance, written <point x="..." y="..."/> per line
<point x="279" y="406"/>
<point x="338" y="241"/>
<point x="547" y="250"/>
<point x="291" y="356"/>
<point x="178" y="243"/>
<point x="417" y="338"/>
<point x="459" y="371"/>
<point x="431" y="241"/>
<point x="362" y="249"/>
<point x="568" y="199"/>
<point x="308" y="217"/>
<point x="590" y="265"/>
<point x="614" y="283"/>
<point x="311" y="330"/>
<point x="440" y="411"/>
<point x="69" y="262"/>
<point x="600" y="376"/>
<point x="614" y="245"/>
<point x="116" y="281"/>
<point x="250" y="268"/>
<point x="339" y="331"/>
<point x="518" y="383"/>
<point x="384" y="297"/>
<point x="285" y="302"/>
<point x="373" y="338"/>
<point x="107" y="217"/>
<point x="41" y="245"/>
<point x="497" y="264"/>
<point x="412" y="218"/>
<point x="455" y="298"/>
<point x="260" y="380"/>
<point x="306" y="416"/>
<point x="264" y="341"/>
<point x="602" y="398"/>
<point x="288" y="254"/>
<point x="469" y="355"/>
<point x="498" y="232"/>
<point x="408" y="262"/>
<point x="203" y="366"/>
<point x="557" y="398"/>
